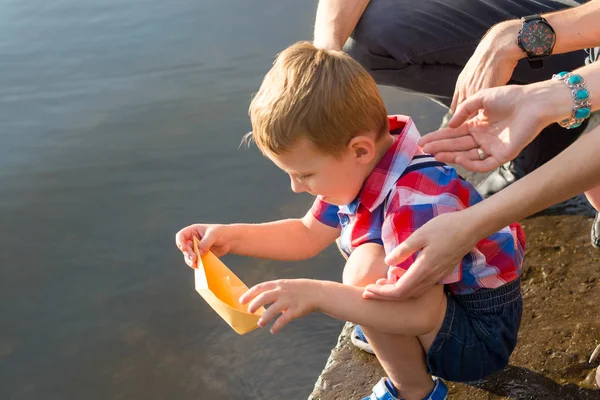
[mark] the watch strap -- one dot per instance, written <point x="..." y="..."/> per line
<point x="535" y="62"/>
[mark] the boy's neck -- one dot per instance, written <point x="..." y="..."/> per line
<point x="382" y="146"/>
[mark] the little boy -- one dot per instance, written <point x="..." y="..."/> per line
<point x="320" y="118"/>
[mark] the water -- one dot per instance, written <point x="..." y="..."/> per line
<point x="119" y="124"/>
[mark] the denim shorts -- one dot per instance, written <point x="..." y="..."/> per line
<point x="478" y="334"/>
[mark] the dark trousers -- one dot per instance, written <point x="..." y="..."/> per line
<point x="422" y="46"/>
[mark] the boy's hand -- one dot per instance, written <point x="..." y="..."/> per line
<point x="212" y="237"/>
<point x="293" y="298"/>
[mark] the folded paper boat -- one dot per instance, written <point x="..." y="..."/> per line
<point x="221" y="289"/>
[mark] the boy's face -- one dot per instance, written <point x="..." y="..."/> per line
<point x="337" y="179"/>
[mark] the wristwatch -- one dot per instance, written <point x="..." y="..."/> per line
<point x="536" y="38"/>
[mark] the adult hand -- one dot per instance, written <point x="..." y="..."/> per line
<point x="499" y="121"/>
<point x="442" y="243"/>
<point x="492" y="64"/>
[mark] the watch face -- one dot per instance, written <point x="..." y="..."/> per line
<point x="537" y="38"/>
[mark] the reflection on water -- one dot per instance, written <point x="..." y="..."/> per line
<point x="120" y="124"/>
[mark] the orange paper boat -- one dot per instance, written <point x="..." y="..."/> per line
<point x="221" y="289"/>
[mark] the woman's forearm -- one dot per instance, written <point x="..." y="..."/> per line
<point x="552" y="100"/>
<point x="335" y="21"/>
<point x="572" y="172"/>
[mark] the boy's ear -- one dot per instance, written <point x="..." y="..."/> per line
<point x="362" y="148"/>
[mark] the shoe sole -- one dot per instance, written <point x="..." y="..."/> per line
<point x="366" y="347"/>
<point x="594" y="237"/>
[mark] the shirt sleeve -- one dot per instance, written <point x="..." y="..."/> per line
<point x="326" y="213"/>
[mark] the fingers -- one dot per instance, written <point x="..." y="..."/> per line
<point x="382" y="292"/>
<point x="403" y="251"/>
<point x="367" y="294"/>
<point x="444" y="133"/>
<point x="286" y="317"/>
<point x="460" y="143"/>
<point x="263" y="294"/>
<point x="262" y="299"/>
<point x="408" y="285"/>
<point x="374" y="291"/>
<point x="190" y="259"/>
<point x="415" y="283"/>
<point x="181" y="239"/>
<point x="448" y="158"/>
<point x="255" y="291"/>
<point x="184" y="242"/>
<point x="467" y="161"/>
<point x="467" y="109"/>
<point x="270" y="313"/>
<point x="206" y="242"/>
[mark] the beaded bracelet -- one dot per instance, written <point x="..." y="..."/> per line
<point x="581" y="97"/>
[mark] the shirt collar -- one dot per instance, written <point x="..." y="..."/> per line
<point x="383" y="178"/>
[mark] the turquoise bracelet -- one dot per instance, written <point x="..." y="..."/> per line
<point x="581" y="97"/>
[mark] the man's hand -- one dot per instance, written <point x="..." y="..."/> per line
<point x="492" y="64"/>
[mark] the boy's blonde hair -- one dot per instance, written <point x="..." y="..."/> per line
<point x="322" y="95"/>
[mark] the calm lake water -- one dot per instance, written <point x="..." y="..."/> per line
<point x="119" y="124"/>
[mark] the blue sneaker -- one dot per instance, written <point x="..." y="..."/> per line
<point x="384" y="390"/>
<point x="359" y="339"/>
<point x="439" y="392"/>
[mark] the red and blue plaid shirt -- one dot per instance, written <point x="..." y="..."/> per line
<point x="406" y="189"/>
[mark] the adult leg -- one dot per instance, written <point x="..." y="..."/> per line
<point x="423" y="46"/>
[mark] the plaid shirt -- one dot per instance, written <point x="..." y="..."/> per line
<point x="406" y="189"/>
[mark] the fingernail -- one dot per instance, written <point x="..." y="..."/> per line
<point x="272" y="331"/>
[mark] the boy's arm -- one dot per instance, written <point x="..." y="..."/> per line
<point x="412" y="317"/>
<point x="289" y="239"/>
<point x="294" y="298"/>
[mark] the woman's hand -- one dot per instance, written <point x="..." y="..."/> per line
<point x="498" y="121"/>
<point x="442" y="243"/>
